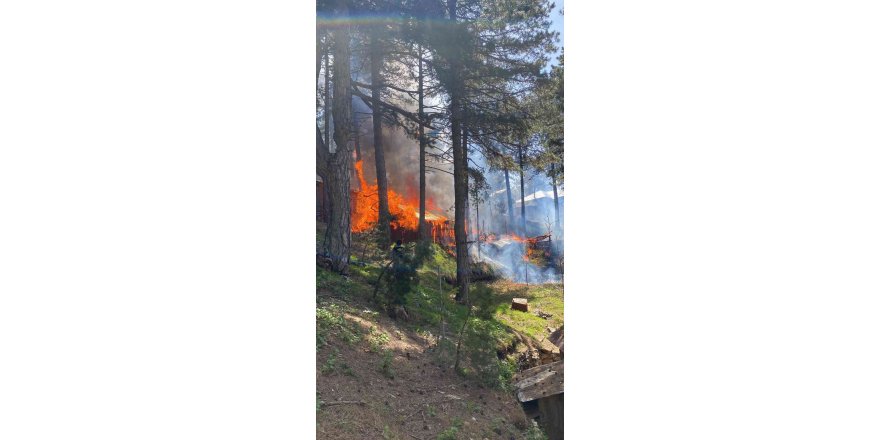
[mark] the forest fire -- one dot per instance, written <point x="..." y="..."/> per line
<point x="404" y="213"/>
<point x="515" y="237"/>
<point x="523" y="259"/>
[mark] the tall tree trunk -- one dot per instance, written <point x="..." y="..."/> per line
<point x="511" y="227"/>
<point x="423" y="230"/>
<point x="338" y="243"/>
<point x="459" y="166"/>
<point x="321" y="144"/>
<point x="491" y="216"/>
<point x="319" y="55"/>
<point x="467" y="213"/>
<point x="381" y="177"/>
<point x="522" y="192"/>
<point x="327" y="103"/>
<point x="555" y="196"/>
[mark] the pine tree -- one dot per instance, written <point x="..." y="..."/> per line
<point x="337" y="165"/>
<point x="376" y="86"/>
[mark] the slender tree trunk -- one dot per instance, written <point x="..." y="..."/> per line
<point x="477" y="209"/>
<point x="338" y="243"/>
<point x="381" y="176"/>
<point x="467" y="214"/>
<point x="423" y="230"/>
<point x="555" y="195"/>
<point x="491" y="215"/>
<point x="511" y="226"/>
<point x="327" y="103"/>
<point x="522" y="192"/>
<point x="322" y="46"/>
<point x="459" y="167"/>
<point x="319" y="55"/>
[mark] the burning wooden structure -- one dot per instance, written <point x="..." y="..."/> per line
<point x="404" y="213"/>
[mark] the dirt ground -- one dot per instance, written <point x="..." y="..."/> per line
<point x="412" y="397"/>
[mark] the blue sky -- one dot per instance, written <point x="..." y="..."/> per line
<point x="557" y="25"/>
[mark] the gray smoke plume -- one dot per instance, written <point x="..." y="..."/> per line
<point x="402" y="164"/>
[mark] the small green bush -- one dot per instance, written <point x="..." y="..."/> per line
<point x="535" y="433"/>
<point x="329" y="321"/>
<point x="378" y="340"/>
<point x="387" y="434"/>
<point x="386" y="367"/>
<point x="330" y="365"/>
<point x="450" y="433"/>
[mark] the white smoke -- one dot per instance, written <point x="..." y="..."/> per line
<point x="505" y="256"/>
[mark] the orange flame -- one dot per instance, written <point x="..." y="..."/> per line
<point x="404" y="213"/>
<point x="515" y="237"/>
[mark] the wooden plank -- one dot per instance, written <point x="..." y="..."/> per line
<point x="538" y="379"/>
<point x="549" y="387"/>
<point x="535" y="370"/>
<point x="541" y="382"/>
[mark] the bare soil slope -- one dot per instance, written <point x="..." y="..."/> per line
<point x="397" y="389"/>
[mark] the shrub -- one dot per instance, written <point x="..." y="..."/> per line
<point x="450" y="433"/>
<point x="329" y="320"/>
<point x="377" y="340"/>
<point x="535" y="433"/>
<point x="386" y="369"/>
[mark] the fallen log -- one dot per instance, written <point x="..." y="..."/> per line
<point x="344" y="402"/>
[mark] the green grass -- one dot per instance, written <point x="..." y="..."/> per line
<point x="378" y="340"/>
<point x="450" y="433"/>
<point x="334" y="365"/>
<point x="329" y="281"/>
<point x="546" y="297"/>
<point x="330" y="321"/>
<point x="535" y="433"/>
<point x="492" y="300"/>
<point x="492" y="320"/>
<point x="430" y="303"/>
<point x="439" y="259"/>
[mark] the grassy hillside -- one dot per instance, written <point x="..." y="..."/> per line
<point x="384" y="378"/>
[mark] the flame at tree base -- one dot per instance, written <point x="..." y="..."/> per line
<point x="404" y="212"/>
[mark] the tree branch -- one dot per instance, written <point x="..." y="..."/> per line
<point x="397" y="110"/>
<point x="368" y="86"/>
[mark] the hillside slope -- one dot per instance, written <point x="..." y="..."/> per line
<point x="379" y="378"/>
